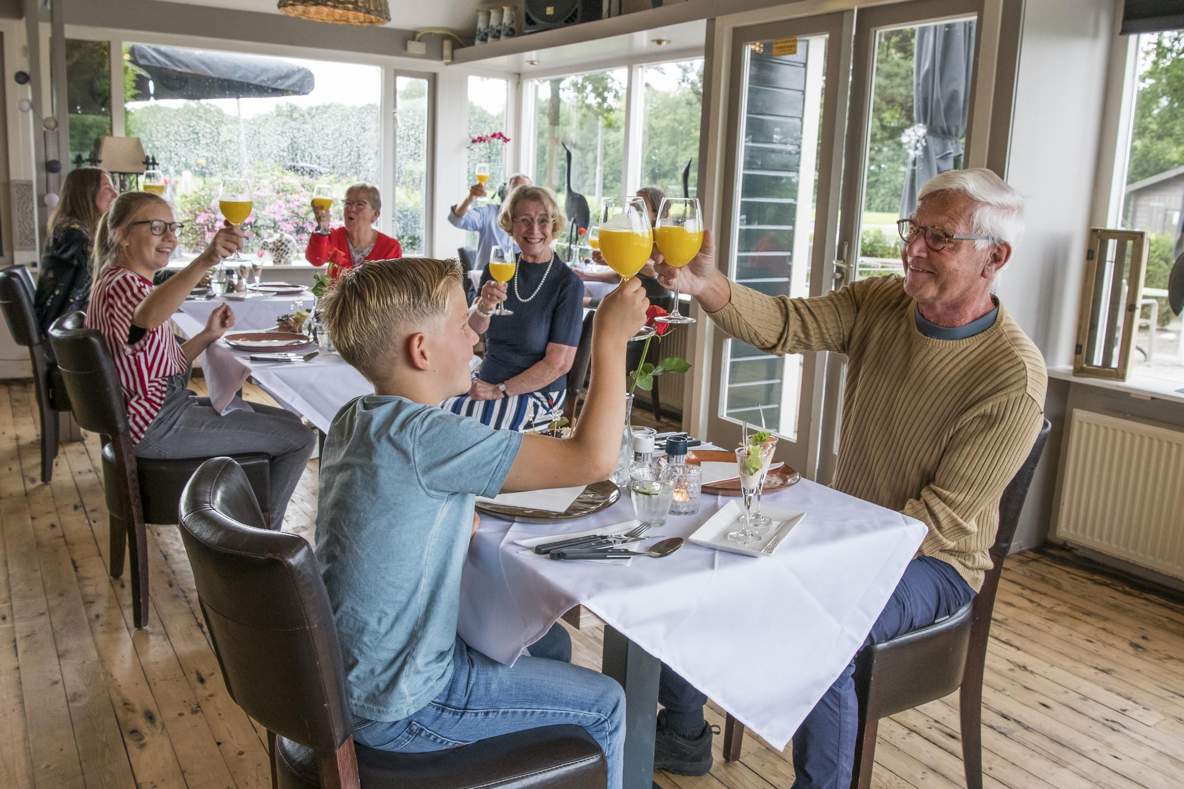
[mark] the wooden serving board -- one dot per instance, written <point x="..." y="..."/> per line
<point x="778" y="478"/>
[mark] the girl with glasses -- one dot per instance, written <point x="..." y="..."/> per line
<point x="135" y="239"/>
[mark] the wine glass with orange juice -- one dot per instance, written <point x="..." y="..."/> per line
<point x="679" y="234"/>
<point x="235" y="204"/>
<point x="481" y="171"/>
<point x="322" y="202"/>
<point x="501" y="268"/>
<point x="153" y="181"/>
<point x="626" y="240"/>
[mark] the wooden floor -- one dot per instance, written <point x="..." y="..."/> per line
<point x="1084" y="684"/>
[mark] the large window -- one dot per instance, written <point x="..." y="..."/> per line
<point x="582" y="114"/>
<point x="411" y="163"/>
<point x="670" y="127"/>
<point x="88" y="94"/>
<point x="488" y="110"/>
<point x="1153" y="191"/>
<point x="284" y="124"/>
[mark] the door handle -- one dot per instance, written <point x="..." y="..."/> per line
<point x="842" y="267"/>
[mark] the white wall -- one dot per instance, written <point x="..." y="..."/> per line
<point x="1055" y="134"/>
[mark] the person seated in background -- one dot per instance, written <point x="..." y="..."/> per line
<point x="166" y="420"/>
<point x="655" y="290"/>
<point x="398" y="481"/>
<point x="523" y="377"/>
<point x="64" y="279"/>
<point x="482" y="219"/>
<point x="944" y="399"/>
<point x="357" y="241"/>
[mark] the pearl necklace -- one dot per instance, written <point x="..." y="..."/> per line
<point x="536" y="290"/>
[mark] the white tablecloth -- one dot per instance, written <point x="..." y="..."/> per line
<point x="251" y="314"/>
<point x="763" y="637"/>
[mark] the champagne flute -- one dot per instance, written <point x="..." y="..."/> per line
<point x="626" y="240"/>
<point x="322" y="200"/>
<point x="752" y="461"/>
<point x="235" y="203"/>
<point x="153" y="181"/>
<point x="679" y="235"/>
<point x="501" y="268"/>
<point x="482" y="173"/>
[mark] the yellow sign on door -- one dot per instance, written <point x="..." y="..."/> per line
<point x="785" y="46"/>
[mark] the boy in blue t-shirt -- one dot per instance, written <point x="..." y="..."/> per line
<point x="398" y="480"/>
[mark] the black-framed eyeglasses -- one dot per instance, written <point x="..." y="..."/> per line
<point x="157" y="226"/>
<point x="936" y="239"/>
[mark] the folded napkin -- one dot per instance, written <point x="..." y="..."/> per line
<point x="715" y="471"/>
<point x="553" y="500"/>
<point x="244" y="296"/>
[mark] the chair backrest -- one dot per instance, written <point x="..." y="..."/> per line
<point x="267" y="610"/>
<point x="1014" y="495"/>
<point x="89" y="375"/>
<point x="467" y="257"/>
<point x="578" y="373"/>
<point x="16" y="300"/>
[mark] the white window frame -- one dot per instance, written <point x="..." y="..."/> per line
<point x="634" y="108"/>
<point x="1118" y="118"/>
<point x="389" y="130"/>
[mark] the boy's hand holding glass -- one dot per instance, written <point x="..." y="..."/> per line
<point x="621" y="314"/>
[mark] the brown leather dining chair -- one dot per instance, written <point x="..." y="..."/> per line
<point x="930" y="663"/>
<point x="16" y="301"/>
<point x="577" y="375"/>
<point x="138" y="491"/>
<point x="269" y="619"/>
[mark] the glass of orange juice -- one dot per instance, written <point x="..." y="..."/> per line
<point x="678" y="234"/>
<point x="153" y="181"/>
<point x="322" y="201"/>
<point x="481" y="171"/>
<point x="501" y="268"/>
<point x="626" y="240"/>
<point x="235" y="204"/>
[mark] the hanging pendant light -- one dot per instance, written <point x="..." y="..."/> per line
<point x="345" y="12"/>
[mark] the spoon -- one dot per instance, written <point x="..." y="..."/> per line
<point x="656" y="551"/>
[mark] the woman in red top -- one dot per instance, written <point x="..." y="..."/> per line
<point x="352" y="245"/>
<point x="135" y="239"/>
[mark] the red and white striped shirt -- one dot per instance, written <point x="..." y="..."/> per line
<point x="144" y="367"/>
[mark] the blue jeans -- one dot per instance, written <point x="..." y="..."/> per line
<point x="485" y="699"/>
<point x="824" y="745"/>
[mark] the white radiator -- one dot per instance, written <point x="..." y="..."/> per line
<point x="1122" y="491"/>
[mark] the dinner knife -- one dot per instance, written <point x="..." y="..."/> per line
<point x="586" y="542"/>
<point x="782" y="530"/>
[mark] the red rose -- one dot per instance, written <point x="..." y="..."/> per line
<point x="654" y="311"/>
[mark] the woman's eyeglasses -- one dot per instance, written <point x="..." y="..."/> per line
<point x="157" y="226"/>
<point x="935" y="238"/>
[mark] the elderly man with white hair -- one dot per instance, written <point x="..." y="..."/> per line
<point x="943" y="401"/>
<point x="482" y="219"/>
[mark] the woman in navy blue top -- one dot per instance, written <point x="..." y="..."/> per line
<point x="523" y="378"/>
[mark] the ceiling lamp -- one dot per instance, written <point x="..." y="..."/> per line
<point x="345" y="12"/>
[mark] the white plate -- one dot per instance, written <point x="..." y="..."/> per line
<point x="713" y="533"/>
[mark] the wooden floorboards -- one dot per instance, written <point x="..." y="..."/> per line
<point x="1084" y="683"/>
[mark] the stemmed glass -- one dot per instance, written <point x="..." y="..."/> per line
<point x="501" y="268"/>
<point x="626" y="241"/>
<point x="481" y="171"/>
<point x="322" y="200"/>
<point x="235" y="203"/>
<point x="769" y="443"/>
<point x="753" y="462"/>
<point x="153" y="181"/>
<point x="679" y="235"/>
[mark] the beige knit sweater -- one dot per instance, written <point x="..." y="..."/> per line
<point x="933" y="428"/>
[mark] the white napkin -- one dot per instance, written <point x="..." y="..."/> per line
<point x="244" y="296"/>
<point x="552" y="500"/>
<point x="617" y="528"/>
<point x="715" y="471"/>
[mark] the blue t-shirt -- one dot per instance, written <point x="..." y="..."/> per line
<point x="515" y="342"/>
<point x="397" y="484"/>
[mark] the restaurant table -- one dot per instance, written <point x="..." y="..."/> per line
<point x="255" y="313"/>
<point x="764" y="637"/>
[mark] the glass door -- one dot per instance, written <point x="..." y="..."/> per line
<point x="788" y="106"/>
<point x="912" y="109"/>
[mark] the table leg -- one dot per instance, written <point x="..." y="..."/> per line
<point x="637" y="671"/>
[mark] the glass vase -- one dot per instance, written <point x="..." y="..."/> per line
<point x="625" y="453"/>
